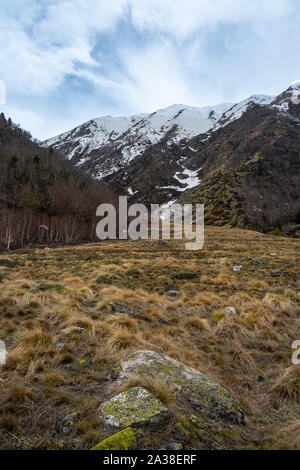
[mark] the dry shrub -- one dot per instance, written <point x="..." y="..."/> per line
<point x="8" y="422"/>
<point x="222" y="279"/>
<point x="79" y="320"/>
<point x="15" y="357"/>
<point x="54" y="379"/>
<point x="257" y="285"/>
<point x="218" y="315"/>
<point x="197" y="323"/>
<point x="18" y="394"/>
<point x="277" y="302"/>
<point x="122" y="339"/>
<point x="288" y="384"/>
<point x="122" y="321"/>
<point x="36" y="337"/>
<point x="207" y="298"/>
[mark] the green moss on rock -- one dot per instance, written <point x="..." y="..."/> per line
<point x="123" y="440"/>
<point x="206" y="397"/>
<point x="134" y="406"/>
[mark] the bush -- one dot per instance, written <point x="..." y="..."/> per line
<point x="278" y="225"/>
<point x="246" y="221"/>
<point x="277" y="232"/>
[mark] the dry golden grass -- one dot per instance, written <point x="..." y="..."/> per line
<point x="249" y="352"/>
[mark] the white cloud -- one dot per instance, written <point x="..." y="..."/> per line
<point x="152" y="78"/>
<point x="182" y="18"/>
<point x="196" y="52"/>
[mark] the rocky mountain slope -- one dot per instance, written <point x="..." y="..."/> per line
<point x="105" y="145"/>
<point x="241" y="160"/>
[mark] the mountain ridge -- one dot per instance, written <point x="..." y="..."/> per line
<point x="173" y="161"/>
<point x="104" y="145"/>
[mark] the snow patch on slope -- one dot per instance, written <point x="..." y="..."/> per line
<point x="191" y="179"/>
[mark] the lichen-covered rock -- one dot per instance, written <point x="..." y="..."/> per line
<point x="206" y="397"/>
<point x="82" y="364"/>
<point x="123" y="440"/>
<point x="132" y="407"/>
<point x="69" y="423"/>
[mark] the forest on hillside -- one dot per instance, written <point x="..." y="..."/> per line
<point x="43" y="197"/>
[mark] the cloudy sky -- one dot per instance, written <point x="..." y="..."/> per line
<point x="67" y="61"/>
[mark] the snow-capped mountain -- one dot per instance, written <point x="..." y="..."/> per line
<point x="242" y="160"/>
<point x="105" y="145"/>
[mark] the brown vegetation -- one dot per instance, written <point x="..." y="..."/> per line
<point x="250" y="352"/>
<point x="43" y="197"/>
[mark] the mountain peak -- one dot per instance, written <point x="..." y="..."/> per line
<point x="296" y="85"/>
<point x="105" y="144"/>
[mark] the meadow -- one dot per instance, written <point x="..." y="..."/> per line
<point x="55" y="312"/>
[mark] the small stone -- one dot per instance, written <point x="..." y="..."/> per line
<point x="123" y="440"/>
<point x="34" y="290"/>
<point x="104" y="280"/>
<point x="274" y="255"/>
<point x="230" y="311"/>
<point x="4" y="273"/>
<point x="71" y="329"/>
<point x="44" y="286"/>
<point x="173" y="293"/>
<point x="69" y="422"/>
<point x="276" y="273"/>
<point x="185" y="276"/>
<point x="119" y="308"/>
<point x="3" y="353"/>
<point x="60" y="346"/>
<point x="10" y="263"/>
<point x="134" y="406"/>
<point x="173" y="446"/>
<point x="237" y="269"/>
<point x="179" y="433"/>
